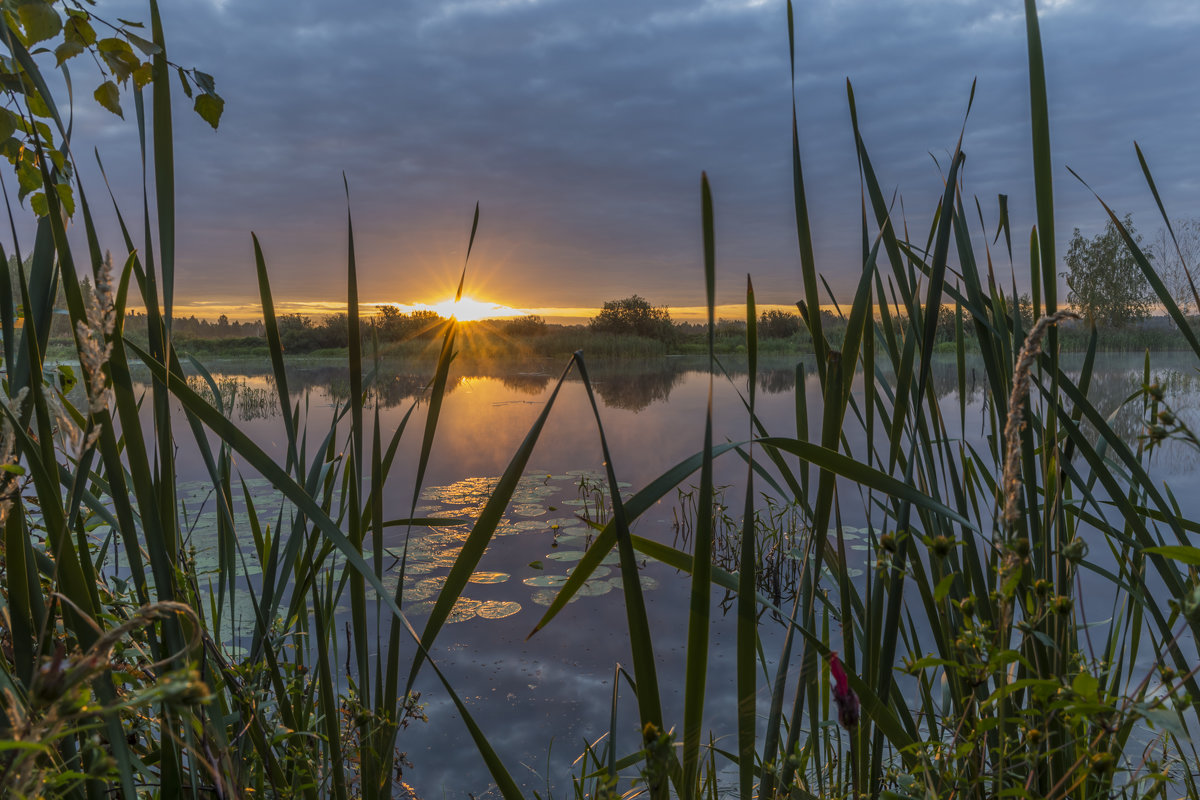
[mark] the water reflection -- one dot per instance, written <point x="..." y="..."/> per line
<point x="248" y="389"/>
<point x="637" y="387"/>
<point x="530" y="383"/>
<point x="776" y="381"/>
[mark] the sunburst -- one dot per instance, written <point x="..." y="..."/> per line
<point x="470" y="309"/>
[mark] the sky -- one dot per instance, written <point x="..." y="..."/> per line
<point x="581" y="128"/>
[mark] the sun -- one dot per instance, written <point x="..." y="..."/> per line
<point x="470" y="309"/>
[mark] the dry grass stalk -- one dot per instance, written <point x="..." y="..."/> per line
<point x="93" y="336"/>
<point x="1015" y="423"/>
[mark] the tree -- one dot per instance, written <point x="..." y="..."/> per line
<point x="1176" y="265"/>
<point x="1106" y="285"/>
<point x="634" y="316"/>
<point x="776" y="324"/>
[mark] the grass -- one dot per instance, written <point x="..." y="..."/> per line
<point x="970" y="668"/>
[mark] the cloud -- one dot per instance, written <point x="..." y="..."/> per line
<point x="582" y="129"/>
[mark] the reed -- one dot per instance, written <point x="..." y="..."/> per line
<point x="963" y="663"/>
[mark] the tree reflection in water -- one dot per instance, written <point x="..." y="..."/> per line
<point x="248" y="389"/>
<point x="636" y="388"/>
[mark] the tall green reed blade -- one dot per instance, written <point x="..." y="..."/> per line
<point x="1043" y="168"/>
<point x="164" y="162"/>
<point x="37" y="298"/>
<point x="808" y="261"/>
<point x="7" y="315"/>
<point x="641" y="643"/>
<point x="25" y="603"/>
<point x="375" y="760"/>
<point x="275" y="347"/>
<point x="330" y="713"/>
<point x="1166" y="221"/>
<point x="747" y="618"/>
<point x="696" y="670"/>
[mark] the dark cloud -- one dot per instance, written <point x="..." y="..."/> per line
<point x="582" y="129"/>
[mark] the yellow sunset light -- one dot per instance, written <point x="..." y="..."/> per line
<point x="469" y="309"/>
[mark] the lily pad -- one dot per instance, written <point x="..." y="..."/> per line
<point x="594" y="588"/>
<point x="544" y="597"/>
<point x="648" y="583"/>
<point x="489" y="577"/>
<point x="529" y="510"/>
<point x="566" y="555"/>
<point x="545" y="580"/>
<point x="497" y="609"/>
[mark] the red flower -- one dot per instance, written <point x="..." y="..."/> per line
<point x="843" y="695"/>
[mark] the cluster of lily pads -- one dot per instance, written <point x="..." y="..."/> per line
<point x="557" y="513"/>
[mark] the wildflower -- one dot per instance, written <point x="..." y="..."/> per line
<point x="843" y="695"/>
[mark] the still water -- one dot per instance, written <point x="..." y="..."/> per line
<point x="540" y="699"/>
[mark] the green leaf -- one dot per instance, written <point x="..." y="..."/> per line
<point x="121" y="64"/>
<point x="8" y="124"/>
<point x="109" y="96"/>
<point x="204" y="81"/>
<point x="187" y="86"/>
<point x="929" y="662"/>
<point x="29" y="178"/>
<point x="1164" y="720"/>
<point x="1177" y="552"/>
<point x="210" y="108"/>
<point x="37" y="105"/>
<point x="66" y="196"/>
<point x="13" y="469"/>
<point x="40" y="21"/>
<point x="39" y="204"/>
<point x="67" y="50"/>
<point x="943" y="588"/>
<point x="66" y="378"/>
<point x="1085" y="685"/>
<point x="77" y="30"/>
<point x="112" y="44"/>
<point x="143" y="75"/>
<point x="147" y="47"/>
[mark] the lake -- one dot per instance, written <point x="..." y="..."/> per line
<point x="554" y="691"/>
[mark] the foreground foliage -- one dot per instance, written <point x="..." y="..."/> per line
<point x="965" y="663"/>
